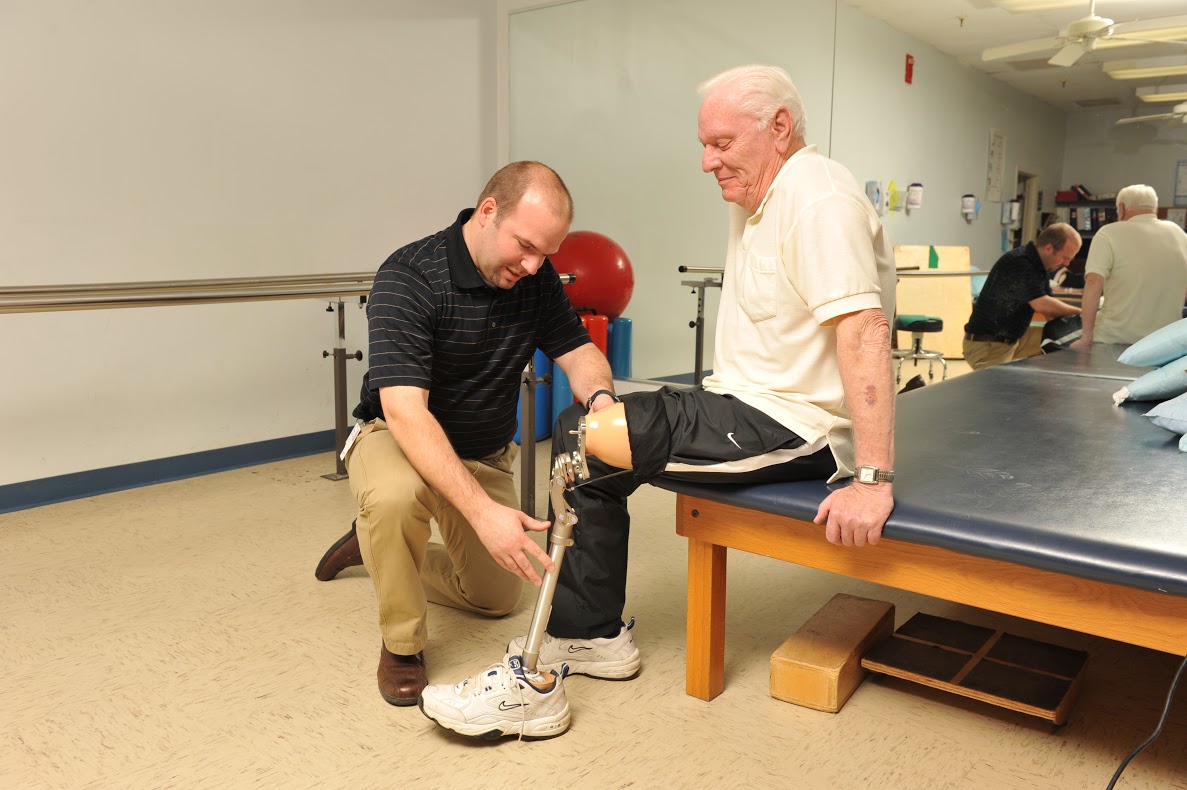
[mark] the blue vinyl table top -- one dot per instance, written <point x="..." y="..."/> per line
<point x="1097" y="361"/>
<point x="1031" y="468"/>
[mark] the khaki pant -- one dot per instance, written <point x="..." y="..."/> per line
<point x="981" y="354"/>
<point x="395" y="506"/>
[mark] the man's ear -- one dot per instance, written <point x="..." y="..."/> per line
<point x="781" y="127"/>
<point x="486" y="211"/>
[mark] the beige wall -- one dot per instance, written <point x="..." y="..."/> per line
<point x="147" y="140"/>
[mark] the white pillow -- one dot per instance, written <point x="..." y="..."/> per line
<point x="1171" y="414"/>
<point x="1168" y="381"/>
<point x="1159" y="347"/>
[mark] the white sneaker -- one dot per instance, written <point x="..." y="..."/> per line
<point x="501" y="700"/>
<point x="609" y="658"/>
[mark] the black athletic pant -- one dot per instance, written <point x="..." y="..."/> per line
<point x="689" y="434"/>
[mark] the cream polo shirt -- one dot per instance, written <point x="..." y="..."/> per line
<point x="813" y="252"/>
<point x="1144" y="263"/>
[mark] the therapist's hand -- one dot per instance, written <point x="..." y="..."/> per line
<point x="855" y="515"/>
<point x="1083" y="342"/>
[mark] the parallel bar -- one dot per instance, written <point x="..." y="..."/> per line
<point x="48" y="304"/>
<point x="970" y="273"/>
<point x="172" y="285"/>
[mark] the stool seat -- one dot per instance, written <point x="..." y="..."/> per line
<point x="918" y="323"/>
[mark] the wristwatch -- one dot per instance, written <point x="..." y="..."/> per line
<point x="589" y="401"/>
<point x="872" y="474"/>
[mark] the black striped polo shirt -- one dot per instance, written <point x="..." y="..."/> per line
<point x="434" y="323"/>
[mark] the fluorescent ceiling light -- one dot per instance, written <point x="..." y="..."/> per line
<point x="1038" y="5"/>
<point x="1146" y="68"/>
<point x="1163" y="93"/>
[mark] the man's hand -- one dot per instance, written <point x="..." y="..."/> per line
<point x="501" y="530"/>
<point x="855" y="514"/>
<point x="1083" y="342"/>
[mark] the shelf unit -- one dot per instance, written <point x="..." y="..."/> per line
<point x="1086" y="216"/>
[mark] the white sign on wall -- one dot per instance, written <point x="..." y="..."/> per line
<point x="997" y="165"/>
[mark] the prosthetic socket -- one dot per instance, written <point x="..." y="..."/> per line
<point x="603" y="435"/>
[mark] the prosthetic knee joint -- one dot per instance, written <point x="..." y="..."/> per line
<point x="603" y="435"/>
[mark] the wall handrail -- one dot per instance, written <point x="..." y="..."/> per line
<point x="105" y="300"/>
<point x="172" y="285"/>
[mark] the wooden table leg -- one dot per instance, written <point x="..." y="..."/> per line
<point x="705" y="662"/>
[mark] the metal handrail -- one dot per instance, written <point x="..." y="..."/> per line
<point x="105" y="300"/>
<point x="167" y="286"/>
<point x="162" y="293"/>
<point x="106" y="296"/>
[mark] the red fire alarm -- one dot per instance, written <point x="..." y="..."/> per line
<point x="910" y="68"/>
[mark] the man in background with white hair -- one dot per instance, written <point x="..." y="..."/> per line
<point x="1140" y="264"/>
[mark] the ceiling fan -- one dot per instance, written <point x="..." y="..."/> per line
<point x="1082" y="36"/>
<point x="1179" y="111"/>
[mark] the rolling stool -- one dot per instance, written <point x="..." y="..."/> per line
<point x="918" y="325"/>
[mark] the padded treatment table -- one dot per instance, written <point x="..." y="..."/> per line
<point x="1097" y="361"/>
<point x="1019" y="490"/>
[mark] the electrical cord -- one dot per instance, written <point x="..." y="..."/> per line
<point x="1170" y="695"/>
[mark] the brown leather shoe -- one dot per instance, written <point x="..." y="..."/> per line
<point x="342" y="555"/>
<point x="401" y="678"/>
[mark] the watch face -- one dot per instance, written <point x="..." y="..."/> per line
<point x="865" y="474"/>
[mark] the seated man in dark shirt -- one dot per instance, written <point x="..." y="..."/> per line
<point x="1017" y="287"/>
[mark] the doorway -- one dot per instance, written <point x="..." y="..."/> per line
<point x="1027" y="191"/>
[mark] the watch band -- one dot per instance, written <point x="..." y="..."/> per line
<point x="589" y="401"/>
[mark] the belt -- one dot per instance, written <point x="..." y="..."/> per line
<point x="986" y="338"/>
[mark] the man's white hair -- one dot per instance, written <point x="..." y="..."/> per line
<point x="1138" y="197"/>
<point x="761" y="91"/>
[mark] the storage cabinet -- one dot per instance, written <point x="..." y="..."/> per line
<point x="1087" y="217"/>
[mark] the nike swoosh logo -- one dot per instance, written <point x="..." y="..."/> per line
<point x="575" y="648"/>
<point x="730" y="436"/>
<point x="505" y="706"/>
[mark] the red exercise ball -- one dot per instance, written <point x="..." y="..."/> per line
<point x="605" y="279"/>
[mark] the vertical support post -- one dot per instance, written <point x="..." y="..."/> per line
<point x="699" y="369"/>
<point x="339" y="397"/>
<point x="699" y="287"/>
<point x="527" y="442"/>
<point x="705" y="660"/>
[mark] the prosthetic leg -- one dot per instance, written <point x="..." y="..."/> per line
<point x="513" y="697"/>
<point x="603" y="435"/>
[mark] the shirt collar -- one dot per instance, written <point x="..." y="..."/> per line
<point x="462" y="270"/>
<point x="807" y="150"/>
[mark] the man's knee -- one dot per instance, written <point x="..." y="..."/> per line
<point x="396" y="506"/>
<point x="498" y="596"/>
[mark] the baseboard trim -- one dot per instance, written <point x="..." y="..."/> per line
<point x="77" y="485"/>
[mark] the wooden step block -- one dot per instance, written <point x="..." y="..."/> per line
<point x="1010" y="671"/>
<point x="820" y="665"/>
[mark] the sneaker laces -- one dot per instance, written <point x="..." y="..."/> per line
<point x="514" y="667"/>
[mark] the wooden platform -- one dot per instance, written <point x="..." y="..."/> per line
<point x="1009" y="671"/>
<point x="819" y="666"/>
